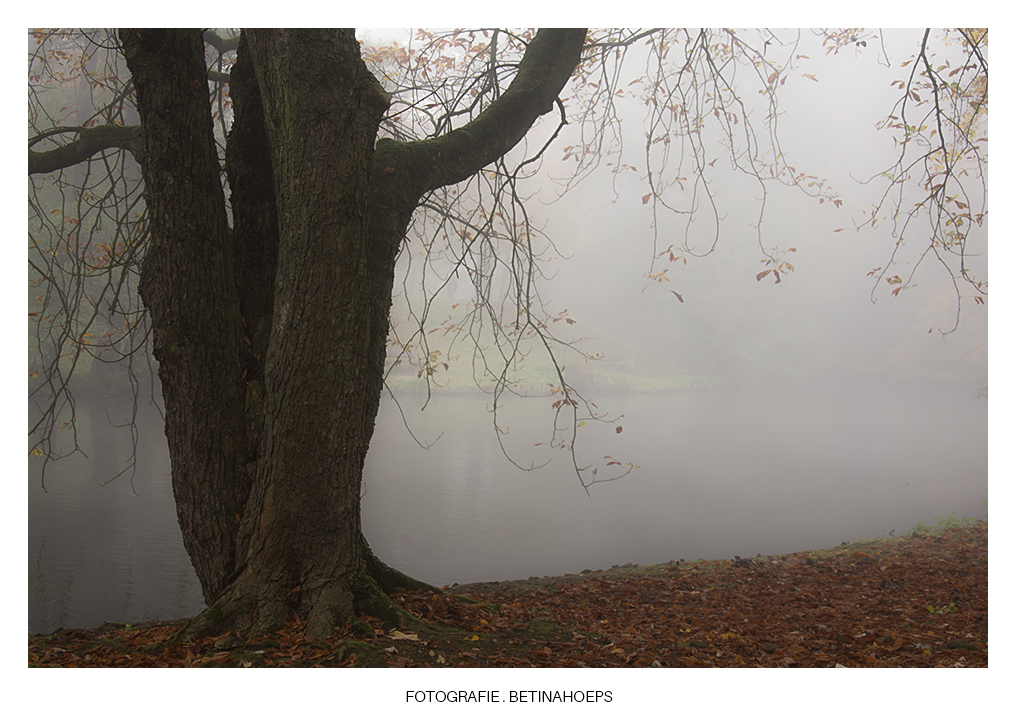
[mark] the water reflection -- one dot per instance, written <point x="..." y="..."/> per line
<point x="763" y="472"/>
<point x="110" y="552"/>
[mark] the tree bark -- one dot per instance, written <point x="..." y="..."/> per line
<point x="255" y="228"/>
<point x="89" y="142"/>
<point x="301" y="534"/>
<point x="187" y="286"/>
<point x="271" y="342"/>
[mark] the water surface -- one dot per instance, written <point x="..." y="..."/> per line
<point x="720" y="474"/>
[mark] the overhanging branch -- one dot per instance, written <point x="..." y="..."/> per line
<point x="546" y="67"/>
<point x="89" y="142"/>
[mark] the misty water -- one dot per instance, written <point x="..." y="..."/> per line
<point x="762" y="469"/>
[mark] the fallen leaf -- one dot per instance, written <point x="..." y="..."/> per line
<point x="396" y="634"/>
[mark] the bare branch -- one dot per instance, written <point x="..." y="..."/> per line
<point x="89" y="142"/>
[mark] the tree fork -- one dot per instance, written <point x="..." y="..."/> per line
<point x="294" y="459"/>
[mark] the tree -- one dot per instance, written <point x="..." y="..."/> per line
<point x="271" y="337"/>
<point x="268" y="311"/>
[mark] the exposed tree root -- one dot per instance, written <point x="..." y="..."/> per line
<point x="390" y="579"/>
<point x="255" y="604"/>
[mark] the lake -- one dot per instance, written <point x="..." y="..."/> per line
<point x="722" y="473"/>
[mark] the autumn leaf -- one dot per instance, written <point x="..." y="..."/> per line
<point x="763" y="615"/>
<point x="396" y="634"/>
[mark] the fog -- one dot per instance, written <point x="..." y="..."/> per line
<point x="812" y="413"/>
<point x="721" y="473"/>
<point x="818" y="322"/>
<point x="826" y="321"/>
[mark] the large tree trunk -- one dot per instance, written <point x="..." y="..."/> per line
<point x="271" y="342"/>
<point x="187" y="287"/>
<point x="323" y="376"/>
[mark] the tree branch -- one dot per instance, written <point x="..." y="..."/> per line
<point x="549" y="61"/>
<point x="90" y="141"/>
<point x="223" y="45"/>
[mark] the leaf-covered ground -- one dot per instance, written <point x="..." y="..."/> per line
<point x="916" y="601"/>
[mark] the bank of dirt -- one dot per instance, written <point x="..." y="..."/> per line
<point x="914" y="601"/>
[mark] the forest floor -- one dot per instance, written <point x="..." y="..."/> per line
<point x="914" y="601"/>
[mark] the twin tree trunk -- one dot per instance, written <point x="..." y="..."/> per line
<point x="271" y="336"/>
